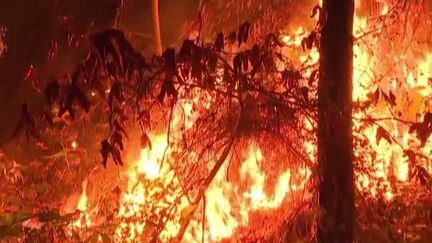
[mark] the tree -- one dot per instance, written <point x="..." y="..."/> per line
<point x="156" y="27"/>
<point x="335" y="146"/>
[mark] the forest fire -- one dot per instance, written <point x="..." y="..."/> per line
<point x="227" y="131"/>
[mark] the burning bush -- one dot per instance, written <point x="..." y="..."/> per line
<point x="214" y="138"/>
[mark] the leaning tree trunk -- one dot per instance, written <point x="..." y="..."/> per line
<point x="335" y="154"/>
<point x="156" y="28"/>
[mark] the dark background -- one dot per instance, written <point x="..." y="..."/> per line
<point x="31" y="26"/>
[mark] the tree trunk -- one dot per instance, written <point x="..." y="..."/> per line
<point x="335" y="155"/>
<point x="156" y="28"/>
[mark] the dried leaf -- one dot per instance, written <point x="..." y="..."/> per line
<point x="315" y="11"/>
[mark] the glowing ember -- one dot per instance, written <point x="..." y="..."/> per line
<point x="74" y="145"/>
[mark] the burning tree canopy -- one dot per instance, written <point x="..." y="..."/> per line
<point x="216" y="138"/>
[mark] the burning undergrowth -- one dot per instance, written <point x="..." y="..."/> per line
<point x="214" y="141"/>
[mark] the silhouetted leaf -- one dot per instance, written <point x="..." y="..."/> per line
<point x="412" y="162"/>
<point x="245" y="63"/>
<point x="186" y="50"/>
<point x="76" y="75"/>
<point x="212" y="62"/>
<point x="116" y="155"/>
<point x="52" y="91"/>
<point x="381" y="133"/>
<point x="169" y="60"/>
<point x="315" y="11"/>
<point x="413" y="128"/>
<point x="255" y="59"/>
<point x="105" y="151"/>
<point x="144" y="117"/>
<point x="167" y="89"/>
<point x="73" y="94"/>
<point x="232" y="37"/>
<point x="392" y="99"/>
<point x="26" y="123"/>
<point x="307" y="42"/>
<point x="243" y="34"/>
<point x="120" y="127"/>
<point x="117" y="140"/>
<point x="113" y="43"/>
<point x="116" y="93"/>
<point x="197" y="66"/>
<point x="427" y="118"/>
<point x="411" y="156"/>
<point x="237" y="63"/>
<point x="423" y="176"/>
<point x="312" y="77"/>
<point x="82" y="99"/>
<point x="145" y="141"/>
<point x="291" y="77"/>
<point x="424" y="129"/>
<point x="219" y="42"/>
<point x="304" y="93"/>
<point x="423" y="133"/>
